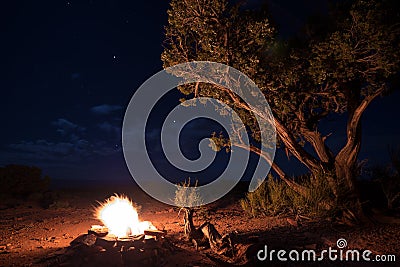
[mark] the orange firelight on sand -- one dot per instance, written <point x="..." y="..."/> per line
<point x="120" y="216"/>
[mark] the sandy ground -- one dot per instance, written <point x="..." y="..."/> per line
<point x="29" y="233"/>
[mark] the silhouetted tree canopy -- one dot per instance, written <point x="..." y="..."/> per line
<point x="336" y="67"/>
<point x="20" y="180"/>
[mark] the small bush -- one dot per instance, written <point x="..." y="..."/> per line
<point x="187" y="195"/>
<point x="269" y="198"/>
<point x="319" y="196"/>
<point x="273" y="197"/>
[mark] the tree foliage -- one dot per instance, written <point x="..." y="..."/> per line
<point x="337" y="69"/>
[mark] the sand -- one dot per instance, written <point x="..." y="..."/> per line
<point x="29" y="233"/>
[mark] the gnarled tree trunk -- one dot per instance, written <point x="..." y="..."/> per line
<point x="206" y="234"/>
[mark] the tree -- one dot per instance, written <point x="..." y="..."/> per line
<point x="337" y="70"/>
<point x="21" y="180"/>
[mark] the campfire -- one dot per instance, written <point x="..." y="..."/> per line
<point x="123" y="240"/>
<point x="120" y="218"/>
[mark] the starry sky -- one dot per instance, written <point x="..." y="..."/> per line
<point x="69" y="69"/>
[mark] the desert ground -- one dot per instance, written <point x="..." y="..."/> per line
<point x="31" y="235"/>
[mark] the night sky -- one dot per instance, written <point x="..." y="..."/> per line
<point x="69" y="69"/>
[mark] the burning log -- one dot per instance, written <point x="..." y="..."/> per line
<point x="99" y="230"/>
<point x="156" y="233"/>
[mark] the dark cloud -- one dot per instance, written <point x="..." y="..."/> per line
<point x="77" y="145"/>
<point x="43" y="146"/>
<point x="105" y="109"/>
<point x="68" y="152"/>
<point x="64" y="126"/>
<point x="69" y="131"/>
<point x="47" y="151"/>
<point x="108" y="127"/>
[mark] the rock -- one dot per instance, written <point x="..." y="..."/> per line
<point x="66" y="235"/>
<point x="89" y="240"/>
<point x="86" y="239"/>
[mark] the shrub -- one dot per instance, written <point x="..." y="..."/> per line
<point x="187" y="195"/>
<point x="389" y="179"/>
<point x="188" y="199"/>
<point x="318" y="202"/>
<point x="269" y="198"/>
<point x="273" y="197"/>
<point x="20" y="180"/>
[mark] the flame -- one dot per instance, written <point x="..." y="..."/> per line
<point x="120" y="216"/>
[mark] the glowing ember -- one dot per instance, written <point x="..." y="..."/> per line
<point x="121" y="218"/>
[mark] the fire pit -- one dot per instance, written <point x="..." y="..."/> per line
<point x="123" y="240"/>
<point x="96" y="247"/>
